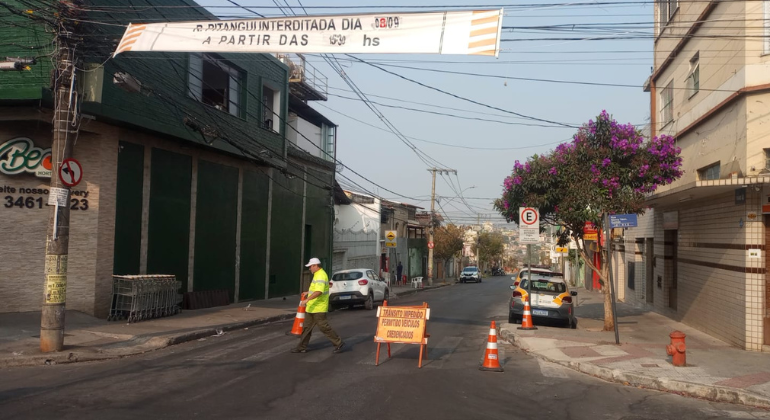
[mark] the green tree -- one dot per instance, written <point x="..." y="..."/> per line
<point x="608" y="168"/>
<point x="488" y="248"/>
<point x="448" y="241"/>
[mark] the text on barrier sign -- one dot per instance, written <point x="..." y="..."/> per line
<point x="404" y="325"/>
<point x="401" y="324"/>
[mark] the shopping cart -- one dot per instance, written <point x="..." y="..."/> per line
<point x="140" y="297"/>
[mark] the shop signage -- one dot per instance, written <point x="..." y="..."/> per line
<point x="590" y="232"/>
<point x="19" y="155"/>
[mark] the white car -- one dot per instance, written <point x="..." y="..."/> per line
<point x="357" y="286"/>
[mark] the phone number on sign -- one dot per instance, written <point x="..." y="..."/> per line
<point x="32" y="202"/>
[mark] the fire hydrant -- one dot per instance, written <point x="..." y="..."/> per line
<point x="677" y="348"/>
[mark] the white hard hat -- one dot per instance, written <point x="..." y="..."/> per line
<point x="313" y="261"/>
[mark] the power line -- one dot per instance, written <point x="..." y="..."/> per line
<point x="458" y="96"/>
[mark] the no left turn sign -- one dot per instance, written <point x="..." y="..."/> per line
<point x="70" y="172"/>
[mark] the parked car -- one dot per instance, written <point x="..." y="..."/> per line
<point x="542" y="272"/>
<point x="470" y="274"/>
<point x="358" y="286"/>
<point x="551" y="300"/>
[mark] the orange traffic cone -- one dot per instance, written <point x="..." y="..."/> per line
<point x="299" y="320"/>
<point x="526" y="318"/>
<point x="491" y="361"/>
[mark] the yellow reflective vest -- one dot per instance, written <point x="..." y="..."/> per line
<point x="320" y="283"/>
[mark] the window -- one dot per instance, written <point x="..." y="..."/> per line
<point x="766" y="9"/>
<point x="767" y="159"/>
<point x="666" y="10"/>
<point x="271" y="108"/>
<point x="349" y="275"/>
<point x="215" y="83"/>
<point x="328" y="138"/>
<point x="709" y="172"/>
<point x="543" y="285"/>
<point x="693" y="76"/>
<point x="667" y="104"/>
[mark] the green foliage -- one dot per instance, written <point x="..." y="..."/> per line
<point x="448" y="241"/>
<point x="489" y="247"/>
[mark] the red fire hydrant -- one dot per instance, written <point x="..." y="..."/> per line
<point x="677" y="348"/>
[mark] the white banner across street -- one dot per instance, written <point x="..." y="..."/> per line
<point x="475" y="32"/>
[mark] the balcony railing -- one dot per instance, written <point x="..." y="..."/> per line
<point x="305" y="80"/>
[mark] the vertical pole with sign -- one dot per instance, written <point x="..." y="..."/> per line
<point x="529" y="233"/>
<point x="608" y="245"/>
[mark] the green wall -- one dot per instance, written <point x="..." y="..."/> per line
<point x="128" y="209"/>
<point x="318" y="216"/>
<point x="215" y="227"/>
<point x="285" y="235"/>
<point x="169" y="222"/>
<point x="22" y="38"/>
<point x="253" y="235"/>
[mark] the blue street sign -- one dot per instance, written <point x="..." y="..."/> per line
<point x="623" y="220"/>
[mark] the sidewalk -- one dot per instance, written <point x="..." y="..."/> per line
<point x="715" y="370"/>
<point x="402" y="291"/>
<point x="88" y="339"/>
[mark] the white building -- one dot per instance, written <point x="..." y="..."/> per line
<point x="357" y="233"/>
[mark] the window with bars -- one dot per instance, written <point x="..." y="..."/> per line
<point x="693" y="76"/>
<point x="667" y="104"/>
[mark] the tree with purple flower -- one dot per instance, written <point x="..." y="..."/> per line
<point x="607" y="168"/>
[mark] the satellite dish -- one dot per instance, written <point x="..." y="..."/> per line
<point x="339" y="167"/>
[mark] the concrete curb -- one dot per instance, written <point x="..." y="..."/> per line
<point x="708" y="392"/>
<point x="144" y="345"/>
<point x="413" y="291"/>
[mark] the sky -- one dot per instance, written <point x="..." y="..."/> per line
<point x="484" y="151"/>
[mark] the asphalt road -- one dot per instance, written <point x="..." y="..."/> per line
<point x="250" y="374"/>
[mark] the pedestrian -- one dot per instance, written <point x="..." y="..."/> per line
<point x="399" y="270"/>
<point x="317" y="305"/>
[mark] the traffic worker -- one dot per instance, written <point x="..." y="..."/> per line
<point x="317" y="304"/>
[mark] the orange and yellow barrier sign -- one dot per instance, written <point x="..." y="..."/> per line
<point x="400" y="324"/>
<point x="404" y="325"/>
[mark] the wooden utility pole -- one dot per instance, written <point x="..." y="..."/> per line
<point x="65" y="129"/>
<point x="432" y="217"/>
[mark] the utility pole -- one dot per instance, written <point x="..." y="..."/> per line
<point x="65" y="128"/>
<point x="432" y="217"/>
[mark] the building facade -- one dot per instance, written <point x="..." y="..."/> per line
<point x="703" y="249"/>
<point x="182" y="176"/>
<point x="357" y="224"/>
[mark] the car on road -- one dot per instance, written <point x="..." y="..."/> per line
<point x="470" y="273"/>
<point x="358" y="286"/>
<point x="551" y="301"/>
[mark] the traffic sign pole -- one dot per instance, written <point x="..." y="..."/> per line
<point x="608" y="244"/>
